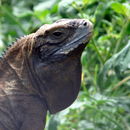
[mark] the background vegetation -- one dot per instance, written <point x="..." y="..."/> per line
<point x="104" y="100"/>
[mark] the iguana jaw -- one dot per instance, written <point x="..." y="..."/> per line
<point x="81" y="38"/>
<point x="70" y="47"/>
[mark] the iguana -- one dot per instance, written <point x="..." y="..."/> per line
<point x="42" y="72"/>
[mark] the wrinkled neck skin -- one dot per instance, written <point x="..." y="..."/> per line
<point x="57" y="83"/>
<point x="19" y="95"/>
<point x="23" y="109"/>
<point x="16" y="61"/>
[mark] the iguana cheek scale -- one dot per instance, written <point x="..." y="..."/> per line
<point x="42" y="72"/>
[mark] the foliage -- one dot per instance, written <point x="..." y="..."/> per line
<point x="104" y="99"/>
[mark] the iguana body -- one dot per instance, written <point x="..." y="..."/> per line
<point x="41" y="72"/>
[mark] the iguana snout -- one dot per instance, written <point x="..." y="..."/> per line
<point x="81" y="36"/>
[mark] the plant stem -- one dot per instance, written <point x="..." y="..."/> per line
<point x="122" y="35"/>
<point x="107" y="117"/>
<point x="122" y="82"/>
<point x="100" y="56"/>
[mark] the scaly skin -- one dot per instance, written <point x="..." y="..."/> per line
<point x="42" y="72"/>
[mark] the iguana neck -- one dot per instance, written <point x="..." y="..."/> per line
<point x="16" y="61"/>
<point x="9" y="79"/>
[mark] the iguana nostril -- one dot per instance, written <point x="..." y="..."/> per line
<point x="85" y="23"/>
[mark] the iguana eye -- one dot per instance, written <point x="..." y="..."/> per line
<point x="57" y="34"/>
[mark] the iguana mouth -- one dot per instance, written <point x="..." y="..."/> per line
<point x="70" y="47"/>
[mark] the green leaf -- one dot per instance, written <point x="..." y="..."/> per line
<point x="128" y="29"/>
<point x="53" y="123"/>
<point x="66" y="9"/>
<point x="115" y="67"/>
<point x="100" y="12"/>
<point x="123" y="9"/>
<point x="22" y="13"/>
<point x="47" y="4"/>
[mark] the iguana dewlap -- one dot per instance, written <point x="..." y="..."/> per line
<point x="42" y="72"/>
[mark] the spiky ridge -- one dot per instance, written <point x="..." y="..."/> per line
<point x="14" y="43"/>
<point x="24" y="43"/>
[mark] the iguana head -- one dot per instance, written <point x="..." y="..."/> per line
<point x="62" y="38"/>
<point x="52" y="60"/>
